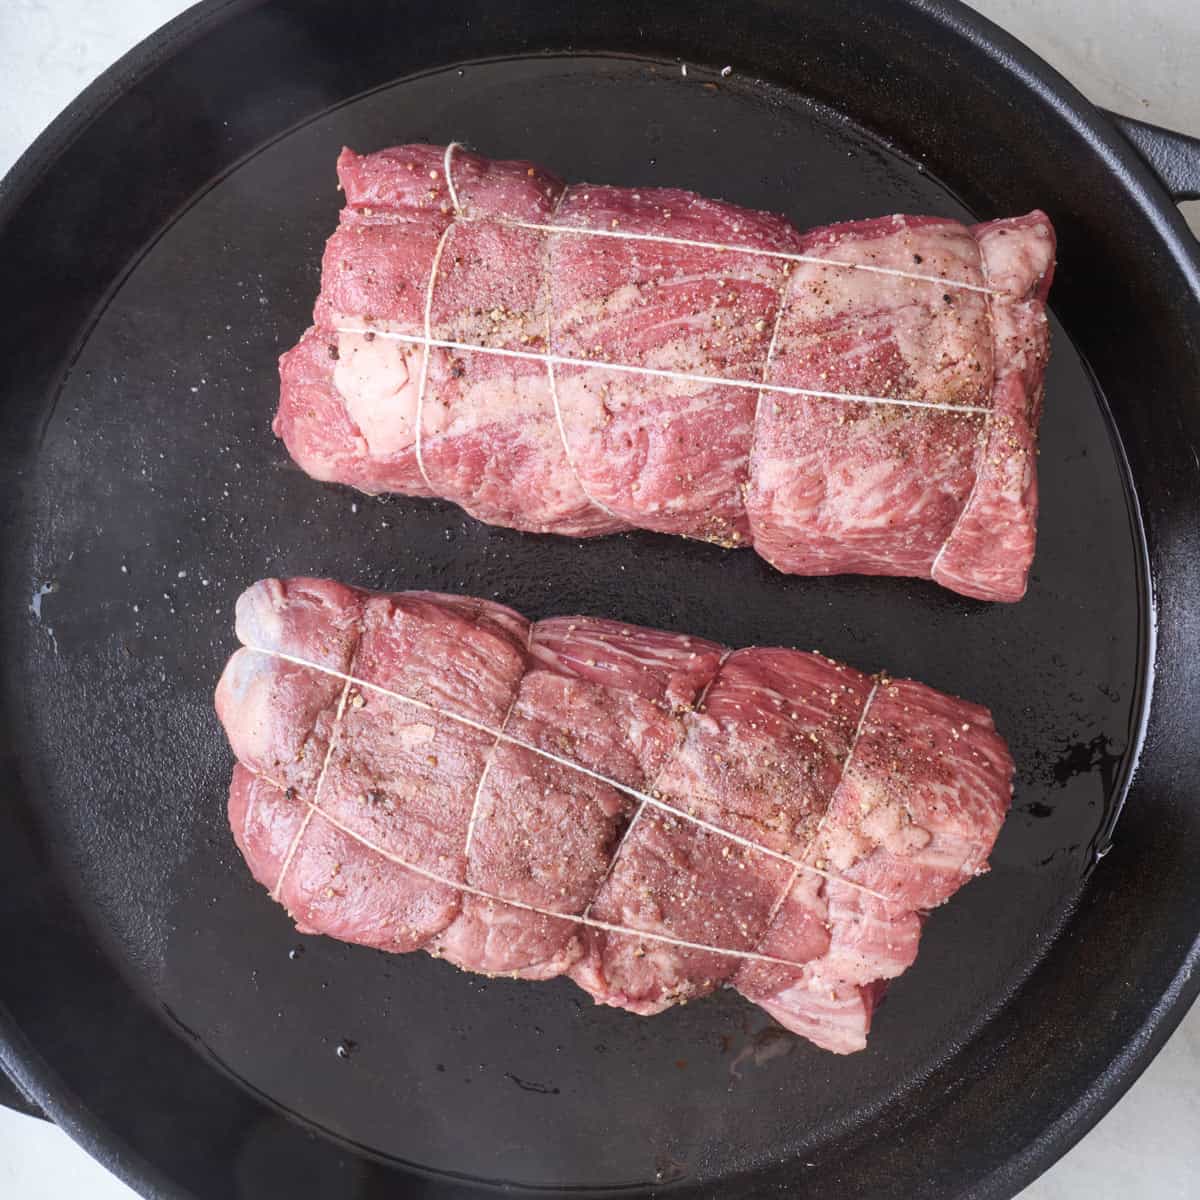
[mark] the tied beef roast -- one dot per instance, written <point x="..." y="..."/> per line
<point x="651" y="814"/>
<point x="581" y="360"/>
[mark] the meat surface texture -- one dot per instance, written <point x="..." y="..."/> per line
<point x="651" y="814"/>
<point x="581" y="360"/>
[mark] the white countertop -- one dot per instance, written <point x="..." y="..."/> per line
<point x="1138" y="57"/>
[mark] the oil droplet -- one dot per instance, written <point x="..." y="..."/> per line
<point x="35" y="601"/>
<point x="345" y="1048"/>
<point x="668" y="1169"/>
<point x="295" y="952"/>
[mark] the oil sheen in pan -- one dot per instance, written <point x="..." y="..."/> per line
<point x="163" y="494"/>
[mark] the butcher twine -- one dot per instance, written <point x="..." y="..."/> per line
<point x="644" y="798"/>
<point x="980" y="449"/>
<point x="641" y="808"/>
<point x="446" y="881"/>
<point x="337" y="721"/>
<point x="428" y="342"/>
<point x="487" y="762"/>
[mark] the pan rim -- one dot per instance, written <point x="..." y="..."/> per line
<point x="22" y="1060"/>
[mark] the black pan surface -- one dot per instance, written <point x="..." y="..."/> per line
<point x="156" y="492"/>
<point x="163" y="493"/>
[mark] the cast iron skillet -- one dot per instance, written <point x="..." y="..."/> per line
<point x="159" y="246"/>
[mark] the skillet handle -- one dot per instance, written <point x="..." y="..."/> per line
<point x="11" y="1096"/>
<point x="1174" y="157"/>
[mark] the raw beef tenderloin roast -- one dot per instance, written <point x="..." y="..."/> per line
<point x="651" y="814"/>
<point x="580" y="360"/>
